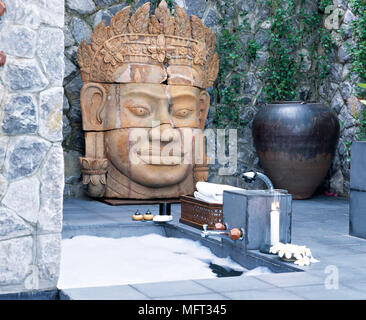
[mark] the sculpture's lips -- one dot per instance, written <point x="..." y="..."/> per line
<point x="157" y="156"/>
<point x="158" y="152"/>
<point x="161" y="160"/>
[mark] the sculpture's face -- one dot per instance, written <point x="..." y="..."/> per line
<point x="154" y="145"/>
<point x="144" y="76"/>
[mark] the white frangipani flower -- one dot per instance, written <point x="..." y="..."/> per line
<point x="276" y="247"/>
<point x="289" y="251"/>
<point x="304" y="261"/>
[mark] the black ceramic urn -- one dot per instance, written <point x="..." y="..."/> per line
<point x="296" y="143"/>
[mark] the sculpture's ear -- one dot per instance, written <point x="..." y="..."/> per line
<point x="204" y="105"/>
<point x="93" y="98"/>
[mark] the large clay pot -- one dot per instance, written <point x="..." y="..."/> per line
<point x="296" y="143"/>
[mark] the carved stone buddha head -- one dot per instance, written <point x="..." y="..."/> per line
<point x="144" y="101"/>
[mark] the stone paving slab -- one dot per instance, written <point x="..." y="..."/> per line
<point x="268" y="294"/>
<point x="170" y="288"/>
<point x="234" y="283"/>
<point x="103" y="293"/>
<point x="320" y="292"/>
<point x="290" y="280"/>
<point x="197" y="297"/>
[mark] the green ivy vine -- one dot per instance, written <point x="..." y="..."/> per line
<point x="232" y="53"/>
<point x="291" y="27"/>
<point x="358" y="52"/>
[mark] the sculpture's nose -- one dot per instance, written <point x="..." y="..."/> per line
<point x="162" y="111"/>
<point x="164" y="133"/>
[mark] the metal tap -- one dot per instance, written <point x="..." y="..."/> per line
<point x="221" y="231"/>
<point x="252" y="175"/>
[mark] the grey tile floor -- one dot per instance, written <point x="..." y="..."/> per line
<point x="320" y="223"/>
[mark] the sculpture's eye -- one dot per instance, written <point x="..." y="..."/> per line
<point x="182" y="113"/>
<point x="140" y="111"/>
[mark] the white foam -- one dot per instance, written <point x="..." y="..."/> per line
<point x="88" y="261"/>
<point x="258" y="271"/>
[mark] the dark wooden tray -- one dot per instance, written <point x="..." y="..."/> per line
<point x="196" y="213"/>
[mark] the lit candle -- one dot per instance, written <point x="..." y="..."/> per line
<point x="275" y="223"/>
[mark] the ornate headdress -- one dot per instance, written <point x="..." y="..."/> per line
<point x="157" y="49"/>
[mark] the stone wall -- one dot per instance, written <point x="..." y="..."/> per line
<point x="337" y="92"/>
<point x="31" y="157"/>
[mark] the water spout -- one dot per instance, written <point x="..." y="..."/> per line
<point x="251" y="176"/>
<point x="221" y="230"/>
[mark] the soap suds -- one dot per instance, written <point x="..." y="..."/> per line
<point x="88" y="261"/>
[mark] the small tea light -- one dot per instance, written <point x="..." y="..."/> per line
<point x="275" y="222"/>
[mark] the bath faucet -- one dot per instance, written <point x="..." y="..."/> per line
<point x="221" y="231"/>
<point x="251" y="176"/>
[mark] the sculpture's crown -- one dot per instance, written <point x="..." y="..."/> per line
<point x="157" y="49"/>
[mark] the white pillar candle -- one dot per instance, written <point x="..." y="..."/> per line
<point x="275" y="224"/>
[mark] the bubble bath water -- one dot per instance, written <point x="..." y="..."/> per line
<point x="88" y="261"/>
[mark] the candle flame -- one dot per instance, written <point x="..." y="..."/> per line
<point x="275" y="205"/>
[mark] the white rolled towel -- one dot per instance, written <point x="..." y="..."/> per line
<point x="212" y="192"/>
<point x="202" y="197"/>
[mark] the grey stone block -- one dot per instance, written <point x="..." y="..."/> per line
<point x="48" y="257"/>
<point x="357" y="215"/>
<point x="22" y="12"/>
<point x="68" y="37"/>
<point x="80" y="30"/>
<point x="211" y="19"/>
<point x="20" y="115"/>
<point x="12" y="226"/>
<point x="25" y="155"/>
<point x="3" y="147"/>
<point x="66" y="129"/>
<point x="52" y="12"/>
<point x="196" y="7"/>
<point x="23" y="198"/>
<point x="24" y="75"/>
<point x="72" y="54"/>
<point x="250" y="210"/>
<point x="81" y="6"/>
<point x="72" y="91"/>
<point x="105" y="2"/>
<point x="118" y="7"/>
<point x="358" y="164"/>
<point x="70" y="70"/>
<point x="3" y="185"/>
<point x="50" y="123"/>
<point x="15" y="260"/>
<point x="101" y="15"/>
<point x="337" y="102"/>
<point x="52" y="177"/>
<point x="50" y="50"/>
<point x="18" y="41"/>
